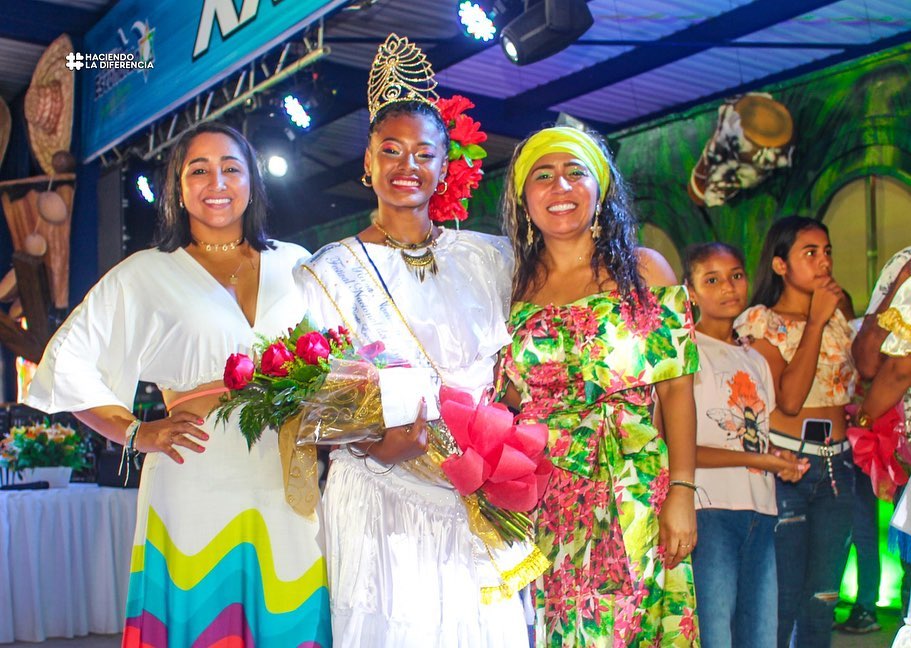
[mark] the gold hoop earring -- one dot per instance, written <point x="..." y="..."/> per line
<point x="530" y="233"/>
<point x="445" y="187"/>
<point x="366" y="180"/>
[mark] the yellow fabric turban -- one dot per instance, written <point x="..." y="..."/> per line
<point x="562" y="139"/>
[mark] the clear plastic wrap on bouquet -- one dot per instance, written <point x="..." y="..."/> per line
<point x="346" y="409"/>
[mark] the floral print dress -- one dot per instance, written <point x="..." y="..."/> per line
<point x="586" y="369"/>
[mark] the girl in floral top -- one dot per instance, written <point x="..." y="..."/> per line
<point x="796" y="324"/>
<point x="598" y="327"/>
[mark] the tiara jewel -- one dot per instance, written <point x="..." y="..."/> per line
<point x="400" y="72"/>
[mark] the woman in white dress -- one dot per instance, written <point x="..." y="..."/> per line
<point x="405" y="569"/>
<point x="218" y="555"/>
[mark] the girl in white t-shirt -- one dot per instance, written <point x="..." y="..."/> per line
<point x="734" y="561"/>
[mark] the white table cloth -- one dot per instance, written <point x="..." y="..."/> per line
<point x="64" y="561"/>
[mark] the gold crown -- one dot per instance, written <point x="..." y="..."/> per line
<point x="400" y="72"/>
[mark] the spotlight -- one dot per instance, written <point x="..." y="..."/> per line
<point x="296" y="112"/>
<point x="476" y="22"/>
<point x="545" y="28"/>
<point x="145" y="189"/>
<point x="277" y="165"/>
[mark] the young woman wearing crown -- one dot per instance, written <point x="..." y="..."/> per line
<point x="405" y="568"/>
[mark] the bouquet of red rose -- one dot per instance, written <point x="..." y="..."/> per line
<point x="314" y="388"/>
<point x="315" y="380"/>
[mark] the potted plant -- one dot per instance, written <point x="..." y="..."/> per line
<point x="42" y="452"/>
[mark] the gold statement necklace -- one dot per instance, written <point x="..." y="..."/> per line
<point x="418" y="263"/>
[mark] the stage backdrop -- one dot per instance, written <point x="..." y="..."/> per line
<point x="851" y="121"/>
<point x="189" y="45"/>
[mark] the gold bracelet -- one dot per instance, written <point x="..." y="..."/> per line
<point x="862" y="419"/>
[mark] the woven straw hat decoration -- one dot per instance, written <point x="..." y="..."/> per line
<point x="49" y="104"/>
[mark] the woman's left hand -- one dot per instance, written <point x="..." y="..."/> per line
<point x="677" y="525"/>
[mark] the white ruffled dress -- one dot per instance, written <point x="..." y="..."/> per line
<point x="405" y="570"/>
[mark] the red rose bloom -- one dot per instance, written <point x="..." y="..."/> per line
<point x="238" y="371"/>
<point x="275" y="358"/>
<point x="311" y="347"/>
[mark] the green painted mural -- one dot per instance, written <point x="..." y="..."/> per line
<point x="850" y="121"/>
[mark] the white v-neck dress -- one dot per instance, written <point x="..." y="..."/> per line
<point x="218" y="555"/>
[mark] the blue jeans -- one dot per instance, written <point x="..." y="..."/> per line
<point x="865" y="536"/>
<point x="734" y="572"/>
<point x="812" y="538"/>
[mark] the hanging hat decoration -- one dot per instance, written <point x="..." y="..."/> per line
<point x="49" y="104"/>
<point x="752" y="138"/>
<point x="6" y="122"/>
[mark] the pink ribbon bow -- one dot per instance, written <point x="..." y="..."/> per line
<point x="875" y="452"/>
<point x="504" y="460"/>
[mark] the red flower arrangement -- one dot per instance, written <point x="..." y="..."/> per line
<point x="465" y="155"/>
<point x="287" y="374"/>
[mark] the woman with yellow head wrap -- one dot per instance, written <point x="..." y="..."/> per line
<point x="598" y="327"/>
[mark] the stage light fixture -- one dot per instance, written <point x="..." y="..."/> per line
<point x="277" y="165"/>
<point x="296" y="111"/>
<point x="476" y="21"/>
<point x="145" y="189"/>
<point x="545" y="28"/>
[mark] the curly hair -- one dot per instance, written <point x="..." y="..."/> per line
<point x="616" y="249"/>
<point x="174" y="224"/>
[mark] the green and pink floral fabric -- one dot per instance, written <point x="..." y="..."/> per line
<point x="586" y="369"/>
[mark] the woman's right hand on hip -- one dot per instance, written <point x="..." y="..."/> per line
<point x="165" y="435"/>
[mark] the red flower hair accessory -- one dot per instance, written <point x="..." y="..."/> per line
<point x="465" y="155"/>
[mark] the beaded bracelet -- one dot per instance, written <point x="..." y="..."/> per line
<point x="693" y="487"/>
<point x="685" y="484"/>
<point x="130" y="454"/>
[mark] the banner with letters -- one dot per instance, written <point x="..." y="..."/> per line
<point x="144" y="59"/>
